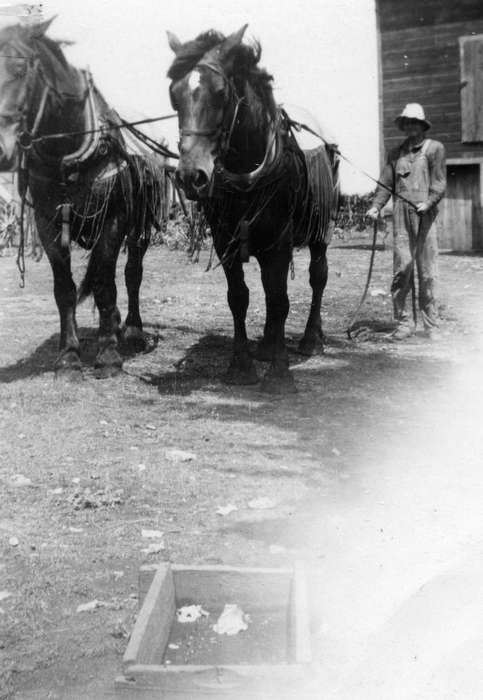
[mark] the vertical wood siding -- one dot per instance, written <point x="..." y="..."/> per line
<point x="471" y="53"/>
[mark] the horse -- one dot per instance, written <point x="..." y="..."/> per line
<point x="84" y="184"/>
<point x="260" y="192"/>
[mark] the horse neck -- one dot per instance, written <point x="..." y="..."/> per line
<point x="62" y="113"/>
<point x="250" y="134"/>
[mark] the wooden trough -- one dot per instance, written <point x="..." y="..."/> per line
<point x="271" y="660"/>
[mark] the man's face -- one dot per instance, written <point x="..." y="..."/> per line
<point x="413" y="129"/>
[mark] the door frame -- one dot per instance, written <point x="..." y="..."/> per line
<point x="477" y="240"/>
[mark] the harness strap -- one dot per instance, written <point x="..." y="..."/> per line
<point x="40" y="113"/>
<point x="425" y="146"/>
<point x="244" y="239"/>
<point x="65" y="210"/>
<point x="91" y="138"/>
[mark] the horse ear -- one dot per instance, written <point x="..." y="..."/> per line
<point x="173" y="41"/>
<point x="233" y="40"/>
<point x="39" y="29"/>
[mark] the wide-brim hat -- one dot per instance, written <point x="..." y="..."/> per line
<point x="413" y="110"/>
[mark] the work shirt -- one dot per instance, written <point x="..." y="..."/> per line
<point x="417" y="173"/>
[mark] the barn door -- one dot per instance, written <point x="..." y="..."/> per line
<point x="471" y="64"/>
<point x="461" y="224"/>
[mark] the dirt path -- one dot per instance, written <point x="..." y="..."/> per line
<point x="374" y="466"/>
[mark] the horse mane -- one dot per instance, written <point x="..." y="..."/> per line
<point x="53" y="61"/>
<point x="248" y="76"/>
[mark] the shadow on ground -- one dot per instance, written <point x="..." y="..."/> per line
<point x="42" y="359"/>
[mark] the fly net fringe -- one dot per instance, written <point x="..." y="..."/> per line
<point x="321" y="197"/>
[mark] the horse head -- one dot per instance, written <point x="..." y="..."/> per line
<point x="203" y="94"/>
<point x="18" y="66"/>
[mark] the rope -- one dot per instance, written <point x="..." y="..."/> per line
<point x="298" y="126"/>
<point x="64" y="134"/>
<point x="150" y="142"/>
<point x="350" y="327"/>
<point x="21" y="244"/>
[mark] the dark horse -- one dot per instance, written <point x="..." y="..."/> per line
<point x="85" y="185"/>
<point x="261" y="194"/>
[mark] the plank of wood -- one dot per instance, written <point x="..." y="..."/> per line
<point x="472" y="92"/>
<point x="396" y="15"/>
<point x="151" y="631"/>
<point x="440" y="36"/>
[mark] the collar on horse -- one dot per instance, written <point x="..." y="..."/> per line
<point x="89" y="143"/>
<point x="264" y="174"/>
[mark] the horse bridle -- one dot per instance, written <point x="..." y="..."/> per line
<point x="224" y="130"/>
<point x="20" y="116"/>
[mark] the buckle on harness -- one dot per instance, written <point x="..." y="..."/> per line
<point x="25" y="140"/>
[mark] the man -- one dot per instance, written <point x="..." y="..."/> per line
<point x="416" y="171"/>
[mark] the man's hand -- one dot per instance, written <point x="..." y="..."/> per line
<point x="422" y="208"/>
<point x="372" y="213"/>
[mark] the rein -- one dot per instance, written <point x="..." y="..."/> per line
<point x="24" y="143"/>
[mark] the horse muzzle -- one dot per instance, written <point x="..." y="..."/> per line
<point x="195" y="182"/>
<point x="8" y="150"/>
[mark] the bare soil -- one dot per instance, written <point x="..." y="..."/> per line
<point x="361" y="463"/>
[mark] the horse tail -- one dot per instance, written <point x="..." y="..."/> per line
<point x="87" y="285"/>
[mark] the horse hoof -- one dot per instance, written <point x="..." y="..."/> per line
<point x="310" y="346"/>
<point x="263" y="352"/>
<point x="133" y="339"/>
<point x="240" y="377"/>
<point x="108" y="363"/>
<point x="70" y="375"/>
<point x="107" y="371"/>
<point x="278" y="384"/>
<point x="68" y="366"/>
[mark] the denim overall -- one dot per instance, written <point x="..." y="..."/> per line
<point x="414" y="236"/>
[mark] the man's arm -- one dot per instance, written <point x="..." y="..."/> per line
<point x="387" y="179"/>
<point x="382" y="194"/>
<point x="437" y="173"/>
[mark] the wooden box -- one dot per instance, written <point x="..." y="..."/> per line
<point x="263" y="668"/>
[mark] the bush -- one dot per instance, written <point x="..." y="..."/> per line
<point x="352" y="212"/>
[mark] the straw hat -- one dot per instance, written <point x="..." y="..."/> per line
<point x="413" y="110"/>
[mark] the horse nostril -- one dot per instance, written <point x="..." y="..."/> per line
<point x="200" y="179"/>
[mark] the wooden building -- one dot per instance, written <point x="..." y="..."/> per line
<point x="431" y="52"/>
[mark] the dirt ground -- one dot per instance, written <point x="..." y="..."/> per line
<point x="374" y="468"/>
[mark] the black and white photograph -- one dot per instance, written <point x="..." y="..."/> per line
<point x="241" y="337"/>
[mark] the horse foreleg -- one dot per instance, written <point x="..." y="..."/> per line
<point x="318" y="270"/>
<point x="103" y="271"/>
<point x="68" y="362"/>
<point x="241" y="369"/>
<point x="133" y="275"/>
<point x="278" y="378"/>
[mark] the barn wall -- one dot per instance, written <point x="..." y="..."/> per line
<point x="422" y="64"/>
<point x="406" y="14"/>
<point x="419" y="54"/>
